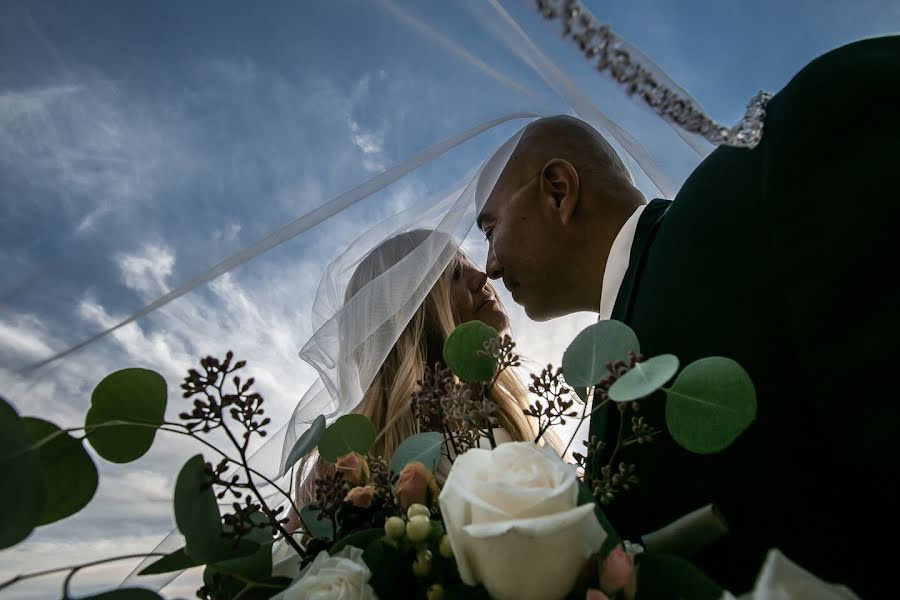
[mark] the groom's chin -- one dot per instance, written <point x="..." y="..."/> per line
<point x="538" y="314"/>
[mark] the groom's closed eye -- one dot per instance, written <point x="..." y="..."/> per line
<point x="480" y="222"/>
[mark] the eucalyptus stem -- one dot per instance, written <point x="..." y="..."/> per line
<point x="249" y="470"/>
<point x="74" y="568"/>
<point x="242" y="449"/>
<point x="621" y="434"/>
<point x="589" y="396"/>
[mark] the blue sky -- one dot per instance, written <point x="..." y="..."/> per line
<point x="141" y="143"/>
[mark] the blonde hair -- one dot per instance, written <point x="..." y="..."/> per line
<point x="387" y="401"/>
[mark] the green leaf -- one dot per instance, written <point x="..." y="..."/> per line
<point x="307" y="442"/>
<point x="661" y="576"/>
<point x="585" y="496"/>
<point x="586" y="358"/>
<point x="135" y="395"/>
<point x="70" y="476"/>
<point x="196" y="512"/>
<point x="320" y="528"/>
<point x="392" y="576"/>
<point x="176" y="561"/>
<point x="710" y="404"/>
<point x="255" y="565"/>
<point x="645" y="378"/>
<point x="20" y="466"/>
<point x="350" y="433"/>
<point x="461" y="352"/>
<point x="358" y="539"/>
<point x="133" y="593"/>
<point x="582" y="393"/>
<point x="421" y="447"/>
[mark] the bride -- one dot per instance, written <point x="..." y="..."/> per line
<point x="461" y="294"/>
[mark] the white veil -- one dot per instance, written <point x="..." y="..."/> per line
<point x="504" y="54"/>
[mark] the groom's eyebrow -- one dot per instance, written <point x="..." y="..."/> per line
<point x="479" y="222"/>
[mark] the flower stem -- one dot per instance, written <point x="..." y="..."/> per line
<point x="74" y="568"/>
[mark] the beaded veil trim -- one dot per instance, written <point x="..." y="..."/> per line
<point x="613" y="57"/>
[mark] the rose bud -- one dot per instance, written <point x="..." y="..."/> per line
<point x="416" y="485"/>
<point x="617" y="572"/>
<point x="360" y="496"/>
<point x="353" y="468"/>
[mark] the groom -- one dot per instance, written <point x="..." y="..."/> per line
<point x="785" y="258"/>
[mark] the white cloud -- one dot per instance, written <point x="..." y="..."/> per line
<point x="98" y="151"/>
<point x="146" y="271"/>
<point x="20" y="338"/>
<point x="371" y="144"/>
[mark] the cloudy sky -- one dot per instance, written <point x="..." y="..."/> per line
<point x="142" y="143"/>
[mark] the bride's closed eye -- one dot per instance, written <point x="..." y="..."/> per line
<point x="457" y="272"/>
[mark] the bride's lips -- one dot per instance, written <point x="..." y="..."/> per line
<point x="487" y="302"/>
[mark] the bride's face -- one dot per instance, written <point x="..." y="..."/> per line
<point x="473" y="299"/>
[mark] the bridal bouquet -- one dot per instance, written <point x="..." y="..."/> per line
<point x="509" y="520"/>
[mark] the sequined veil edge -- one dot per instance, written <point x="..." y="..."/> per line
<point x="624" y="64"/>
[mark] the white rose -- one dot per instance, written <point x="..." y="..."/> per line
<point x="514" y="525"/>
<point x="343" y="576"/>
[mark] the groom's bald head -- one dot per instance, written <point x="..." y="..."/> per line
<point x="569" y="139"/>
<point x="557" y="204"/>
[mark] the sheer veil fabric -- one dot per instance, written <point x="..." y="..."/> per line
<point x="499" y="65"/>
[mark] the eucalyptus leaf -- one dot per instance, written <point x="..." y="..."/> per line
<point x="645" y="378"/>
<point x="320" y="528"/>
<point x="196" y="512"/>
<point x="421" y="447"/>
<point x="134" y="395"/>
<point x="70" y="476"/>
<point x="357" y="539"/>
<point x="710" y="404"/>
<point x="255" y="567"/>
<point x="20" y="465"/>
<point x="585" y="360"/>
<point x="461" y="352"/>
<point x="307" y="442"/>
<point x="125" y="594"/>
<point x="666" y="576"/>
<point x="350" y="433"/>
<point x="176" y="561"/>
<point x="392" y="576"/>
<point x="582" y="393"/>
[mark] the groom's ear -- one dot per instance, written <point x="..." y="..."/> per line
<point x="560" y="187"/>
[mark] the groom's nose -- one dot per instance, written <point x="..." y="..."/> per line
<point x="492" y="266"/>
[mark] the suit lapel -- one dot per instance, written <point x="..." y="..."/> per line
<point x="646" y="230"/>
<point x="605" y="422"/>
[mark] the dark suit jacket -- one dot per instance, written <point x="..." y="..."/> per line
<point x="785" y="258"/>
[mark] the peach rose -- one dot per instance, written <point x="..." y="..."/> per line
<point x="416" y="485"/>
<point x="353" y="468"/>
<point x="360" y="496"/>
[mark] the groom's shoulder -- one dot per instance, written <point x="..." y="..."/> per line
<point x="867" y="66"/>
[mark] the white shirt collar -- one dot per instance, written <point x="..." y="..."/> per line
<point x="617" y="264"/>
